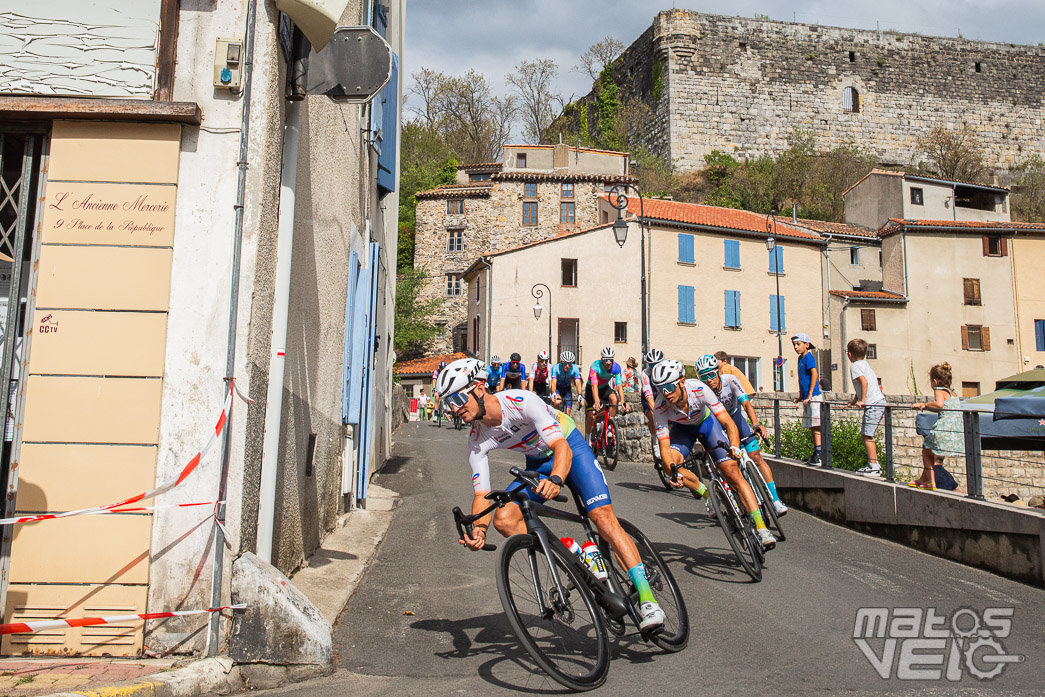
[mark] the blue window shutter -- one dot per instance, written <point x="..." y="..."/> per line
<point x="386" y="159"/>
<point x="686" y="309"/>
<point x="732" y="308"/>
<point x="690" y="306"/>
<point x="732" y="249"/>
<point x="686" y="248"/>
<point x="776" y="260"/>
<point x="380" y="20"/>
<point x="783" y="313"/>
<point x="1039" y="334"/>
<point x="772" y="314"/>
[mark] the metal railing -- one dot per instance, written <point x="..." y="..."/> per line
<point x="956" y="445"/>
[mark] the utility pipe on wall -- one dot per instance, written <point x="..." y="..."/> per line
<point x="280" y="312"/>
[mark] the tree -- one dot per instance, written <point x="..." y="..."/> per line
<point x="532" y="84"/>
<point x="1028" y="190"/>
<point x="599" y="56"/>
<point x="477" y="124"/>
<point x="956" y="154"/>
<point x="414" y="329"/>
<point x="425" y="163"/>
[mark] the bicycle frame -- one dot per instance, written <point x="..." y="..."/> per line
<point x="600" y="427"/>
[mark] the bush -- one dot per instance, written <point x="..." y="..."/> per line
<point x="847" y="443"/>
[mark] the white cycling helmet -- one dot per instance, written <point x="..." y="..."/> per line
<point x="495" y="359"/>
<point x="654" y="356"/>
<point x="567" y="357"/>
<point x="542" y="356"/>
<point x="608" y="352"/>
<point x="666" y="372"/>
<point x="459" y="375"/>
<point x="706" y="365"/>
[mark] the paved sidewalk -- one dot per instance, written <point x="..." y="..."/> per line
<point x="42" y="676"/>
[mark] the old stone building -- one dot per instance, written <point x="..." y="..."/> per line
<point x="537" y="192"/>
<point x="741" y="85"/>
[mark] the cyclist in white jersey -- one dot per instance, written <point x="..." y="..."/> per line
<point x="688" y="410"/>
<point x="519" y="420"/>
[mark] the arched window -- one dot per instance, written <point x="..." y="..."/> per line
<point x="851" y="100"/>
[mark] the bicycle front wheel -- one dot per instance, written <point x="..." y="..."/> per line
<point x="560" y="627"/>
<point x="675" y="634"/>
<point x="735" y="527"/>
<point x="769" y="514"/>
<point x="609" y="446"/>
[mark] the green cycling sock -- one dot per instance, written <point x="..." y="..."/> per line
<point x="638" y="577"/>
<point x="772" y="490"/>
<point x="757" y="517"/>
<point x="702" y="491"/>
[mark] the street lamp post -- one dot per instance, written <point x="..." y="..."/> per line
<point x="620" y="232"/>
<point x="538" y="293"/>
<point x="779" y="362"/>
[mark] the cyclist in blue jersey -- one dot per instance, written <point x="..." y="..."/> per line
<point x="604" y="385"/>
<point x="513" y="374"/>
<point x="565" y="376"/>
<point x="493" y="374"/>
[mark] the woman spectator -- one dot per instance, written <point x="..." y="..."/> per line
<point x="630" y="381"/>
<point x="947" y="437"/>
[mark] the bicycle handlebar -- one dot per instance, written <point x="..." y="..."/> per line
<point x="532" y="478"/>
<point x="499" y="498"/>
<point x="464" y="525"/>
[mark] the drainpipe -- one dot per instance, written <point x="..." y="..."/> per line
<point x="230" y="356"/>
<point x="280" y="311"/>
<point x="489" y="289"/>
<point x="1016" y="304"/>
<point x="845" y="376"/>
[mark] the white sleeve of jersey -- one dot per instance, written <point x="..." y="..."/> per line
<point x="647" y="389"/>
<point x="660" y="419"/>
<point x="480" y="464"/>
<point x="543" y="419"/>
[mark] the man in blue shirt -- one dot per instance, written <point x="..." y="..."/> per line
<point x="809" y="390"/>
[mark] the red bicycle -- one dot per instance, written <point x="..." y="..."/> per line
<point x="604" y="438"/>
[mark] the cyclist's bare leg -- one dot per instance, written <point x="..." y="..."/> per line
<point x="612" y="408"/>
<point x="609" y="528"/>
<point x="731" y="473"/>
<point x="689" y="480"/>
<point x="763" y="466"/>
<point x="509" y="520"/>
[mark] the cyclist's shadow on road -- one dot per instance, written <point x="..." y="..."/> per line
<point x="509" y="666"/>
<point x="712" y="563"/>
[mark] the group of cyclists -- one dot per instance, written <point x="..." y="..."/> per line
<point x="529" y="412"/>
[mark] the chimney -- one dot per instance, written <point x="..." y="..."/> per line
<point x="561" y="157"/>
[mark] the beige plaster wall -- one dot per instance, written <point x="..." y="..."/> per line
<point x="800" y="285"/>
<point x="1028" y="257"/>
<point x="874" y="200"/>
<point x="937" y="204"/>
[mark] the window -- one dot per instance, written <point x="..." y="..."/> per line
<point x="978" y="67"/>
<point x="484" y="177"/>
<point x="530" y="190"/>
<point x="852" y="56"/>
<point x="732" y="248"/>
<point x="687" y="311"/>
<point x="854" y="256"/>
<point x="520" y="160"/>
<point x="879" y="258"/>
<point x="777" y="305"/>
<point x="454" y="206"/>
<point x="1039" y="335"/>
<point x="455" y="240"/>
<point x="749" y="367"/>
<point x="917" y="196"/>
<point x="567" y="189"/>
<point x="529" y="212"/>
<point x="733" y="309"/>
<point x="872" y="351"/>
<point x="453" y="284"/>
<point x="620" y="332"/>
<point x="850" y="100"/>
<point x="976" y="338"/>
<point x="475" y="334"/>
<point x="970" y="389"/>
<point x="776" y="260"/>
<point x="567" y="212"/>
<point x="867" y="321"/>
<point x="685" y="248"/>
<point x="569" y="273"/>
<point x="971" y="291"/>
<point x="995" y="246"/>
<point x="478" y="285"/>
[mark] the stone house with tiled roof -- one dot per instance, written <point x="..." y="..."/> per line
<point x="536" y="192"/>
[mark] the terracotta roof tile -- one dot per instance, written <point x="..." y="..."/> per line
<point x="824" y="227"/>
<point x="426" y="365"/>
<point x="479" y="165"/>
<point x="869" y="295"/>
<point x="469" y="189"/>
<point x="976" y="226"/>
<point x="572" y="148"/>
<point x="546" y="175"/>
<point x="716" y="217"/>
<point x="562" y="233"/>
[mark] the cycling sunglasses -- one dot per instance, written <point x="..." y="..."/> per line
<point x="669" y="388"/>
<point x="458" y="399"/>
<point x="705" y="377"/>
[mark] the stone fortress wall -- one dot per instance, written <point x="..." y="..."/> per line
<point x="741" y="85"/>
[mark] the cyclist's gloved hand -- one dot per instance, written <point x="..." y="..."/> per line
<point x="737" y="454"/>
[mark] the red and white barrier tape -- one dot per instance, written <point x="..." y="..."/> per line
<point x="226" y="409"/>
<point x="143" y="509"/>
<point x="44" y="625"/>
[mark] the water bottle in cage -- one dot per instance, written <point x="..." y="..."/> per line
<point x="572" y="545"/>
<point x="594" y="560"/>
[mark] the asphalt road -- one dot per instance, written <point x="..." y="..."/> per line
<point x="427" y="619"/>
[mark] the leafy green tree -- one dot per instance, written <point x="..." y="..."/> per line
<point x="425" y="163"/>
<point x="414" y="329"/>
<point x="1028" y="190"/>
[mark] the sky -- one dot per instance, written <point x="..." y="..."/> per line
<point x="491" y="36"/>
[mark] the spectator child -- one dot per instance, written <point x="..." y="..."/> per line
<point x="422" y="405"/>
<point x="870" y="397"/>
<point x="947" y="436"/>
<point x="808" y="391"/>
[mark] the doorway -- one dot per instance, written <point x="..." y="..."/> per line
<point x="569" y="336"/>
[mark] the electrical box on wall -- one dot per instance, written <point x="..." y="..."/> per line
<point x="228" y="64"/>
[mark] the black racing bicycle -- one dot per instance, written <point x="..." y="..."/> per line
<point x="604" y="438"/>
<point x="561" y="612"/>
<point x="754" y="477"/>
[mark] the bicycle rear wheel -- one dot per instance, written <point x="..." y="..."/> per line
<point x="609" y="446"/>
<point x="675" y="634"/>
<point x="563" y="631"/>
<point x="735" y="527"/>
<point x="769" y="514"/>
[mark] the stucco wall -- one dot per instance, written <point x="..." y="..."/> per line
<point x="874" y="200"/>
<point x="800" y="285"/>
<point x="1028" y="256"/>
